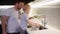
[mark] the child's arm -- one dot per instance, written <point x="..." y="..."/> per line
<point x="33" y="24"/>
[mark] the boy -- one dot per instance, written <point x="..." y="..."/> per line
<point x="24" y="20"/>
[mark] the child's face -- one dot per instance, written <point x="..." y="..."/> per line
<point x="26" y="9"/>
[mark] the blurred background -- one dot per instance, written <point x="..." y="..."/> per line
<point x="47" y="11"/>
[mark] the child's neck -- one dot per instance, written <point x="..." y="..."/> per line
<point x="26" y="13"/>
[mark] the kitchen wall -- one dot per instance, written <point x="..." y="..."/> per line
<point x="52" y="15"/>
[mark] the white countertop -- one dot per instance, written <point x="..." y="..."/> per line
<point x="50" y="30"/>
<point x="47" y="31"/>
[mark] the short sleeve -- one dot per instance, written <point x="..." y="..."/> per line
<point x="7" y="12"/>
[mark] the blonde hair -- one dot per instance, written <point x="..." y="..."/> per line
<point x="26" y="7"/>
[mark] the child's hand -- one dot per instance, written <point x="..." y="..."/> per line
<point x="37" y="25"/>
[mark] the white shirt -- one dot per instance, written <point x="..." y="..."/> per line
<point x="13" y="21"/>
<point x="23" y="21"/>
